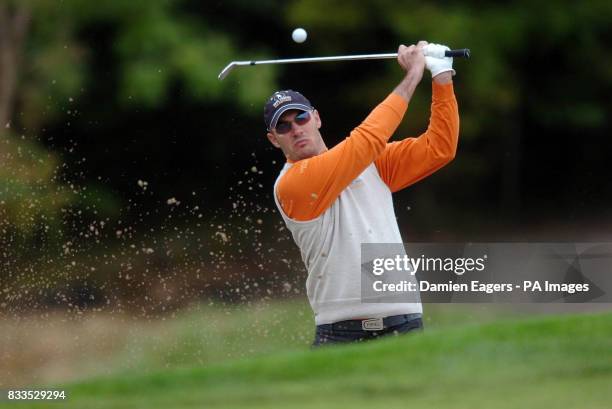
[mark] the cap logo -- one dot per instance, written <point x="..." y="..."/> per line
<point x="279" y="99"/>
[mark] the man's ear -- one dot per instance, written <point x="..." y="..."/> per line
<point x="317" y="118"/>
<point x="272" y="139"/>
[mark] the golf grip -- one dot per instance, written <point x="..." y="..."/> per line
<point x="462" y="52"/>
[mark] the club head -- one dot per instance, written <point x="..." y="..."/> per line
<point x="227" y="70"/>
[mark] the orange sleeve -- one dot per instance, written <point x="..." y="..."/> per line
<point x="412" y="159"/>
<point x="311" y="185"/>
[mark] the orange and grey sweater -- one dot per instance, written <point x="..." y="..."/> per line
<point x="335" y="201"/>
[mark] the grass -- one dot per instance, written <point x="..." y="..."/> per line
<point x="58" y="347"/>
<point x="529" y="363"/>
<point x="69" y="347"/>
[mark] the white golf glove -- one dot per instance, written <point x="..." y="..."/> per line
<point x="435" y="61"/>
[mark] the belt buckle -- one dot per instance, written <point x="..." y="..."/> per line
<point x="372" y="324"/>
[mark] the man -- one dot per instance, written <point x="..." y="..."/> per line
<point x="332" y="200"/>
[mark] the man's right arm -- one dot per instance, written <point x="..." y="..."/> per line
<point x="406" y="88"/>
<point x="312" y="185"/>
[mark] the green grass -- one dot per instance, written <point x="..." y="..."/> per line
<point x="532" y="363"/>
<point x="207" y="335"/>
<point x="63" y="348"/>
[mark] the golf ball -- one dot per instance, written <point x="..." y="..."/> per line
<point x="299" y="35"/>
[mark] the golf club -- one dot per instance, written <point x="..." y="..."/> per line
<point x="462" y="53"/>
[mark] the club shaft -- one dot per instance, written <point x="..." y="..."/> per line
<point x="464" y="53"/>
<point x="321" y="59"/>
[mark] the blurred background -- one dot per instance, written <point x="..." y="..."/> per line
<point x="137" y="226"/>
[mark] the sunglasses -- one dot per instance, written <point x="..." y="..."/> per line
<point x="299" y="119"/>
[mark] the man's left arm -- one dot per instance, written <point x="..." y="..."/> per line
<point x="412" y="159"/>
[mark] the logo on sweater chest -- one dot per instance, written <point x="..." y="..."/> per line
<point x="357" y="183"/>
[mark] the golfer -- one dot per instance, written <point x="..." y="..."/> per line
<point x="332" y="200"/>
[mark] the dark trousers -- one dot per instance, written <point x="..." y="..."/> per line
<point x="352" y="330"/>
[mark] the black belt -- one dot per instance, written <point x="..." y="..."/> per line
<point x="370" y="324"/>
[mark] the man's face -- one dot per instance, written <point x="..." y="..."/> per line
<point x="302" y="139"/>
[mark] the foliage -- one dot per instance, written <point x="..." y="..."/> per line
<point x="155" y="45"/>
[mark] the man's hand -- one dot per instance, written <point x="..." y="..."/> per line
<point x="411" y="58"/>
<point x="439" y="64"/>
